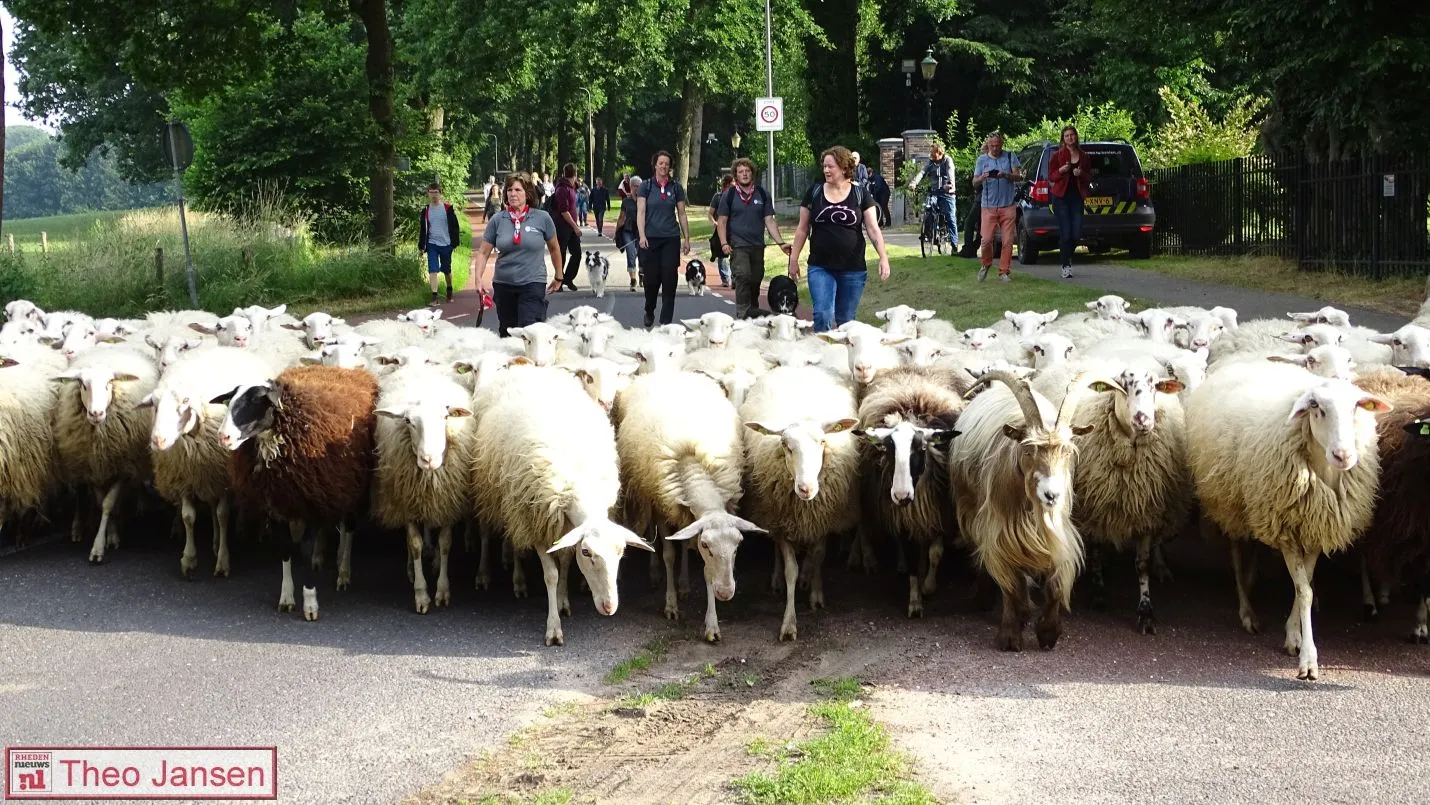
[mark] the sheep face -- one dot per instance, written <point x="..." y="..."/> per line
<point x="427" y="425"/>
<point x="318" y="329"/>
<point x="1050" y="349"/>
<point x="1202" y="329"/>
<point x="599" y="546"/>
<point x="1136" y="403"/>
<point x="865" y="345"/>
<point x="1154" y="324"/>
<point x="1410" y="345"/>
<point x="57" y="322"/>
<point x="902" y="319"/>
<point x="585" y="315"/>
<point x="604" y="379"/>
<point x="344" y="355"/>
<point x="236" y="330"/>
<point x="909" y="447"/>
<point x="407" y="356"/>
<point x="19" y="330"/>
<point x="592" y="339"/>
<point x="1315" y="335"/>
<point x="921" y="351"/>
<point x="1108" y="307"/>
<point x="539" y="342"/>
<point x="736" y="383"/>
<point x="804" y="445"/>
<point x="175" y="416"/>
<point x="1000" y="366"/>
<point x="96" y="389"/>
<point x="79" y="336"/>
<point x="169" y="350"/>
<point x="784" y="327"/>
<point x="1188" y="368"/>
<point x="1327" y="361"/>
<point x="109" y="327"/>
<point x="250" y="412"/>
<point x="1334" y="411"/>
<point x="978" y="337"/>
<point x="485" y="368"/>
<point x="657" y="355"/>
<point x="259" y="316"/>
<point x="23" y="309"/>
<point x="792" y="358"/>
<point x="715" y="328"/>
<point x="1227" y="316"/>
<point x="1326" y="315"/>
<point x="1030" y="322"/>
<point x="718" y="536"/>
<point x="424" y="318"/>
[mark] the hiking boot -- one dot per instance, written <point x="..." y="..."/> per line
<point x="1067" y="272"/>
<point x="633" y="283"/>
<point x="983" y="273"/>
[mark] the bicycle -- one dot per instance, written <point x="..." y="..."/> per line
<point x="934" y="229"/>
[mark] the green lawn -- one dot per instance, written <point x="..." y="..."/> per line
<point x="60" y="230"/>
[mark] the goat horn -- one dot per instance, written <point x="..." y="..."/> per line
<point x="1080" y="387"/>
<point x="1023" y="393"/>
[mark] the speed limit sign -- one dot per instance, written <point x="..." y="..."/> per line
<point x="769" y="114"/>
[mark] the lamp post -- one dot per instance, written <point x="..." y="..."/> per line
<point x="735" y="143"/>
<point x="927" y="68"/>
<point x="591" y="139"/>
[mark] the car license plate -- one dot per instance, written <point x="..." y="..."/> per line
<point x="1098" y="201"/>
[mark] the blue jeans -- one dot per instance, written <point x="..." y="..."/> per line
<point x="1069" y="215"/>
<point x="950" y="216"/>
<point x="834" y="295"/>
<point x="439" y="259"/>
<point x="633" y="254"/>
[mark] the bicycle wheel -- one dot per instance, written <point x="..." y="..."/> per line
<point x="940" y="239"/>
<point x="925" y="236"/>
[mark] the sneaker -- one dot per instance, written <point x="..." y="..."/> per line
<point x="1005" y="277"/>
<point x="649" y="320"/>
<point x="633" y="283"/>
<point x="433" y="303"/>
<point x="983" y="273"/>
<point x="1067" y="272"/>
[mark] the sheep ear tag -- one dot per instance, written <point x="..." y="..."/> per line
<point x="1425" y="428"/>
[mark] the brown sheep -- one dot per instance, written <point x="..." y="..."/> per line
<point x="303" y="452"/>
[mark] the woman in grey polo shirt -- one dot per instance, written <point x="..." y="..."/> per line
<point x="663" y="230"/>
<point x="525" y="236"/>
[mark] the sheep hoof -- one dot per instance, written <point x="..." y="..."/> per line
<point x="310" y="604"/>
<point x="344" y="581"/>
<point x="220" y="570"/>
<point x="930" y="587"/>
<point x="422" y="603"/>
<point x="564" y="609"/>
<point x="816" y="600"/>
<point x="916" y="610"/>
<point x="1308" y="672"/>
<point x="1248" y="622"/>
<point x="788" y="633"/>
<point x="187" y="566"/>
<point x="1010" y="641"/>
<point x="1369" y="613"/>
<point x="96" y="557"/>
<point x="483" y="583"/>
<point x="317" y="561"/>
<point x="519" y="590"/>
<point x="1293" y="647"/>
<point x="672" y="612"/>
<point x="442" y="599"/>
<point x="712" y="636"/>
<point x="555" y="639"/>
<point x="287" y="606"/>
<point x="1146" y="619"/>
<point x="1048" y="634"/>
<point x="1420" y="636"/>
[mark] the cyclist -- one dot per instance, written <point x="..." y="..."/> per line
<point x="939" y="172"/>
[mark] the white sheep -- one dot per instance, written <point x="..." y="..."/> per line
<point x="27" y="401"/>
<point x="869" y="350"/>
<point x="546" y="469"/>
<point x="190" y="466"/>
<point x="319" y="328"/>
<point x="22" y="310"/>
<point x="428" y="320"/>
<point x="903" y="320"/>
<point x="101" y="433"/>
<point x="1025" y="325"/>
<point x="682" y="458"/>
<point x="802" y="469"/>
<point x="1288" y="459"/>
<point x="424" y="442"/>
<point x="540" y="341"/>
<point x="735" y="368"/>
<point x="1010" y="470"/>
<point x="714" y="329"/>
<point x="1050" y="349"/>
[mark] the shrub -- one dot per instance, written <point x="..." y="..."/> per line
<point x="1192" y="135"/>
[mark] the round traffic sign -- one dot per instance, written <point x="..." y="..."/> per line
<point x="769" y="113"/>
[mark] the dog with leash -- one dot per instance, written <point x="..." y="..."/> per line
<point x="695" y="277"/>
<point x="597" y="267"/>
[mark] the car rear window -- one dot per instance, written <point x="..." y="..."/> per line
<point x="1111" y="163"/>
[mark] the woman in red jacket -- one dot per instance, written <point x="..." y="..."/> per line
<point x="1071" y="172"/>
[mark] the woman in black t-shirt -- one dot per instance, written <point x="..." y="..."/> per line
<point x="833" y="217"/>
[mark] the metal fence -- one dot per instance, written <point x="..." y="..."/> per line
<point x="1368" y="216"/>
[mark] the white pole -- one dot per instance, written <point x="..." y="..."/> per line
<point x="770" y="91"/>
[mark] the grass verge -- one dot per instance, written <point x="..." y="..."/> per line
<point x="650" y="654"/>
<point x="1399" y="295"/>
<point x="950" y="286"/>
<point x="852" y="761"/>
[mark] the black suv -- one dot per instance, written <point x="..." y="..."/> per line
<point x="1117" y="212"/>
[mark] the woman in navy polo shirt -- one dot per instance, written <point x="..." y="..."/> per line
<point x="664" y="235"/>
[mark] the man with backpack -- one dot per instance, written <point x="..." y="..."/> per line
<point x="627" y="239"/>
<point x="561" y="205"/>
<point x="746" y="212"/>
<point x="437" y="236"/>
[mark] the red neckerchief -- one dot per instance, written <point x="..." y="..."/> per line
<point x="661" y="185"/>
<point x="744" y="198"/>
<point x="516" y="222"/>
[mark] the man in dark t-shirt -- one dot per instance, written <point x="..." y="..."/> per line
<point x="568" y="232"/>
<point x="745" y="213"/>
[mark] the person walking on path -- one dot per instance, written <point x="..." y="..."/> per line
<point x="600" y="202"/>
<point x="861" y="171"/>
<point x="995" y="173"/>
<point x="939" y="172"/>
<point x="722" y="260"/>
<point x="879" y="189"/>
<point x="437" y="236"/>
<point x="525" y="236"/>
<point x="1071" y="174"/>
<point x="833" y="217"/>
<point x="583" y="202"/>
<point x="492" y="200"/>
<point x="746" y="213"/>
<point x="626" y="237"/>
<point x="664" y="236"/>
<point x="568" y="232"/>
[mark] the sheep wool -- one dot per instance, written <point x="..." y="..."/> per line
<point x="27" y="400"/>
<point x="117" y="448"/>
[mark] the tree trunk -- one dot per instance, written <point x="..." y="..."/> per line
<point x="436" y="119"/>
<point x="380" y="81"/>
<point x="2" y="143"/>
<point x="687" y="144"/>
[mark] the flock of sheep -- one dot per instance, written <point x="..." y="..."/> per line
<point x="579" y="439"/>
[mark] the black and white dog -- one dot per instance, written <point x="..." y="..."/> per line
<point x="695" y="277"/>
<point x="597" y="267"/>
<point x="783" y="295"/>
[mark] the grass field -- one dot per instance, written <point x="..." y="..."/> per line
<point x="1400" y="295"/>
<point x="60" y="230"/>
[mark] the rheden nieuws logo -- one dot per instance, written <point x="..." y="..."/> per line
<point x="141" y="772"/>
